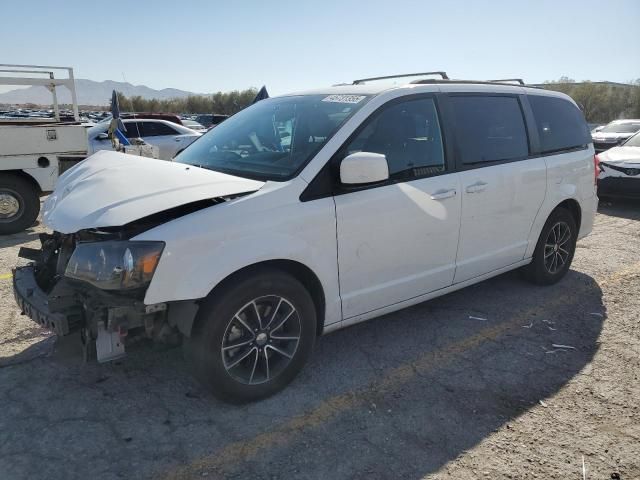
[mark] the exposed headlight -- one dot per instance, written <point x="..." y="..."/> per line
<point x="115" y="265"/>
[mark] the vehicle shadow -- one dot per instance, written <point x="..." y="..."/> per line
<point x="395" y="397"/>
<point x="620" y="207"/>
<point x="12" y="240"/>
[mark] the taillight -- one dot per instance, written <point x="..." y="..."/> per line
<point x="596" y="169"/>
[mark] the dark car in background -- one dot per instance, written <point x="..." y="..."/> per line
<point x="614" y="134"/>
<point x="209" y="120"/>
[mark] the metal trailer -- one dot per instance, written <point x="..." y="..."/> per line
<point x="34" y="152"/>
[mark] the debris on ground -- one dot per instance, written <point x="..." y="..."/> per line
<point x="566" y="347"/>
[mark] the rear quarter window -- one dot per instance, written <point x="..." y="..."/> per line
<point x="560" y="124"/>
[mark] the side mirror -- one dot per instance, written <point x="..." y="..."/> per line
<point x="102" y="136"/>
<point x="364" y="167"/>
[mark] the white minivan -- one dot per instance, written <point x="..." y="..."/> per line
<point x="309" y="212"/>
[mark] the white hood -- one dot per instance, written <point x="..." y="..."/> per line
<point x="622" y="156"/>
<point x="111" y="189"/>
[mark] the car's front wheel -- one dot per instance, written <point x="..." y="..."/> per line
<point x="253" y="336"/>
<point x="555" y="249"/>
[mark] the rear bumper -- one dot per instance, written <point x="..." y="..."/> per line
<point x="619" y="187"/>
<point x="34" y="302"/>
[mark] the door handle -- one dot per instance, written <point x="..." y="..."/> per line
<point x="442" y="194"/>
<point x="477" y="187"/>
<point x="177" y="139"/>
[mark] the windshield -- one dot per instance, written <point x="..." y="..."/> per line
<point x="621" y="128"/>
<point x="274" y="138"/>
<point x="633" y="141"/>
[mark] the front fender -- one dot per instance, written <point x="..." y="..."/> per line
<point x="204" y="248"/>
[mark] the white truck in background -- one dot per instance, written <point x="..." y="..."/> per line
<point x="35" y="151"/>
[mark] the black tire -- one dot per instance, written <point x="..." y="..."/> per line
<point x="542" y="270"/>
<point x="218" y="320"/>
<point x="14" y="188"/>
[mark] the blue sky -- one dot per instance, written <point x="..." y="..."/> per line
<point x="206" y="46"/>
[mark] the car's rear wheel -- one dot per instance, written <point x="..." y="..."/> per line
<point x="19" y="204"/>
<point x="253" y="336"/>
<point x="555" y="249"/>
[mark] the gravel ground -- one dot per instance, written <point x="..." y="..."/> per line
<point x="427" y="392"/>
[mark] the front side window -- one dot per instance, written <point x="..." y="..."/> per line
<point x="560" y="124"/>
<point x="408" y="134"/>
<point x="274" y="138"/>
<point x="489" y="129"/>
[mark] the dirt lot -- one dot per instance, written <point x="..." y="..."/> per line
<point x="427" y="392"/>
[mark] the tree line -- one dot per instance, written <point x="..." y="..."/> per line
<point x="226" y="103"/>
<point x="601" y="102"/>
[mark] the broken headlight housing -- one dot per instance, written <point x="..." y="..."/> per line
<point x="115" y="265"/>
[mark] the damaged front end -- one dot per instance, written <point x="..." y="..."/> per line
<point x="77" y="283"/>
<point x="94" y="282"/>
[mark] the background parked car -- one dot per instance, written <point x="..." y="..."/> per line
<point x="169" y="117"/>
<point x="193" y="125"/>
<point x="614" y="133"/>
<point x="169" y="137"/>
<point x="620" y="170"/>
<point x="211" y="119"/>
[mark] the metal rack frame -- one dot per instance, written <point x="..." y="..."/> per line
<point x="49" y="83"/>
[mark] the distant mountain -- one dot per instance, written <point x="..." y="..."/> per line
<point x="89" y="93"/>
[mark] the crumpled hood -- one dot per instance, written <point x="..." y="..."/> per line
<point x="622" y="156"/>
<point x="111" y="189"/>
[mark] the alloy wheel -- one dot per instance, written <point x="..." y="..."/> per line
<point x="261" y="339"/>
<point x="557" y="247"/>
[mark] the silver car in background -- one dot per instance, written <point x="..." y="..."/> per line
<point x="614" y="133"/>
<point x="170" y="138"/>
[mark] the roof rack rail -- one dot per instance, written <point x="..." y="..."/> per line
<point x="507" y="80"/>
<point x="362" y="80"/>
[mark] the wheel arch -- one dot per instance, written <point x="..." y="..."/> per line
<point x="297" y="270"/>
<point x="573" y="207"/>
<point x="569" y="204"/>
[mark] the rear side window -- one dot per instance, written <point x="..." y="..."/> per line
<point x="408" y="134"/>
<point x="560" y="124"/>
<point x="489" y="129"/>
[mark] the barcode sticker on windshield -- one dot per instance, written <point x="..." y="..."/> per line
<point x="344" y="98"/>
